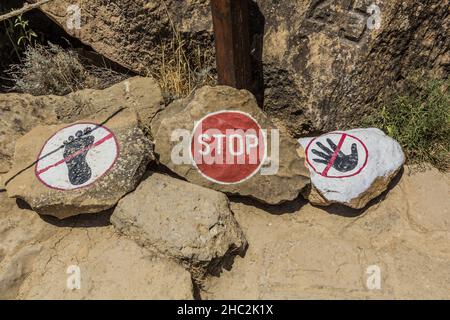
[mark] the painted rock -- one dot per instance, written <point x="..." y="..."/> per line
<point x="221" y="139"/>
<point x="351" y="167"/>
<point x="183" y="221"/>
<point x="83" y="167"/>
<point x="22" y="112"/>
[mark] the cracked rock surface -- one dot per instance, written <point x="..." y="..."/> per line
<point x="322" y="66"/>
<point x="180" y="220"/>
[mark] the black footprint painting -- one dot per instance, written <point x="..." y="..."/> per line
<point x="79" y="170"/>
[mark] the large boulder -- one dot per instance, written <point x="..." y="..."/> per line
<point x="182" y="221"/>
<point x="19" y="113"/>
<point x="142" y="94"/>
<point x="351" y="167"/>
<point x="324" y="62"/>
<point x="84" y="167"/>
<point x="130" y="32"/>
<point x="284" y="183"/>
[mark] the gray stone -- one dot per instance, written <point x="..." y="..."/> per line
<point x="38" y="259"/>
<point x="186" y="222"/>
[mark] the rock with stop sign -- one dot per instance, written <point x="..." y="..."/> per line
<point x="351" y="167"/>
<point x="221" y="139"/>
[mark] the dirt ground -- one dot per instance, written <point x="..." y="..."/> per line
<point x="296" y="251"/>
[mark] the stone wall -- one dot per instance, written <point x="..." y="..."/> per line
<point x="323" y="66"/>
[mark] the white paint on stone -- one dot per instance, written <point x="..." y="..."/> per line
<point x="383" y="157"/>
<point x="100" y="153"/>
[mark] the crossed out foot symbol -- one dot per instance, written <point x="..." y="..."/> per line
<point x="75" y="151"/>
<point x="342" y="162"/>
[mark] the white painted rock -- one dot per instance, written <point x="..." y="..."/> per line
<point x="351" y="167"/>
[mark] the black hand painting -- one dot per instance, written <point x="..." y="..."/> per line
<point x="343" y="162"/>
<point x="79" y="170"/>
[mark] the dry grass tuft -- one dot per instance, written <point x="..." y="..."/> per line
<point x="54" y="70"/>
<point x="184" y="64"/>
<point x="183" y="69"/>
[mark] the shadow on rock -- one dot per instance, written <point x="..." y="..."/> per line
<point x="92" y="220"/>
<point x="257" y="23"/>
<point x="344" y="211"/>
<point x="288" y="207"/>
<point x="215" y="268"/>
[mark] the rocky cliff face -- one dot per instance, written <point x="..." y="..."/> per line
<point x="334" y="66"/>
<point x="324" y="62"/>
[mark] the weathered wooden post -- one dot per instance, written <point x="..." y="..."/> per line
<point x="232" y="37"/>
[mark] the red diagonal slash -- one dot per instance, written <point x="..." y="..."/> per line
<point x="99" y="142"/>
<point x="334" y="156"/>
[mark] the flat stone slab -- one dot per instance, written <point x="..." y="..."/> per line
<point x="311" y="254"/>
<point x="79" y="258"/>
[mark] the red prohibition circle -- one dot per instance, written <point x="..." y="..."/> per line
<point x="224" y="122"/>
<point x="99" y="177"/>
<point x="337" y="177"/>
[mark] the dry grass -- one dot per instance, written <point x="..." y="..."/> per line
<point x="184" y="64"/>
<point x="53" y="70"/>
<point x="180" y="73"/>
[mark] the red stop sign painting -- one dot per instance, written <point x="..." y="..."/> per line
<point x="228" y="147"/>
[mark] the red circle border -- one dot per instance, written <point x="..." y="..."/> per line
<point x="82" y="187"/>
<point x="334" y="177"/>
<point x="192" y="137"/>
